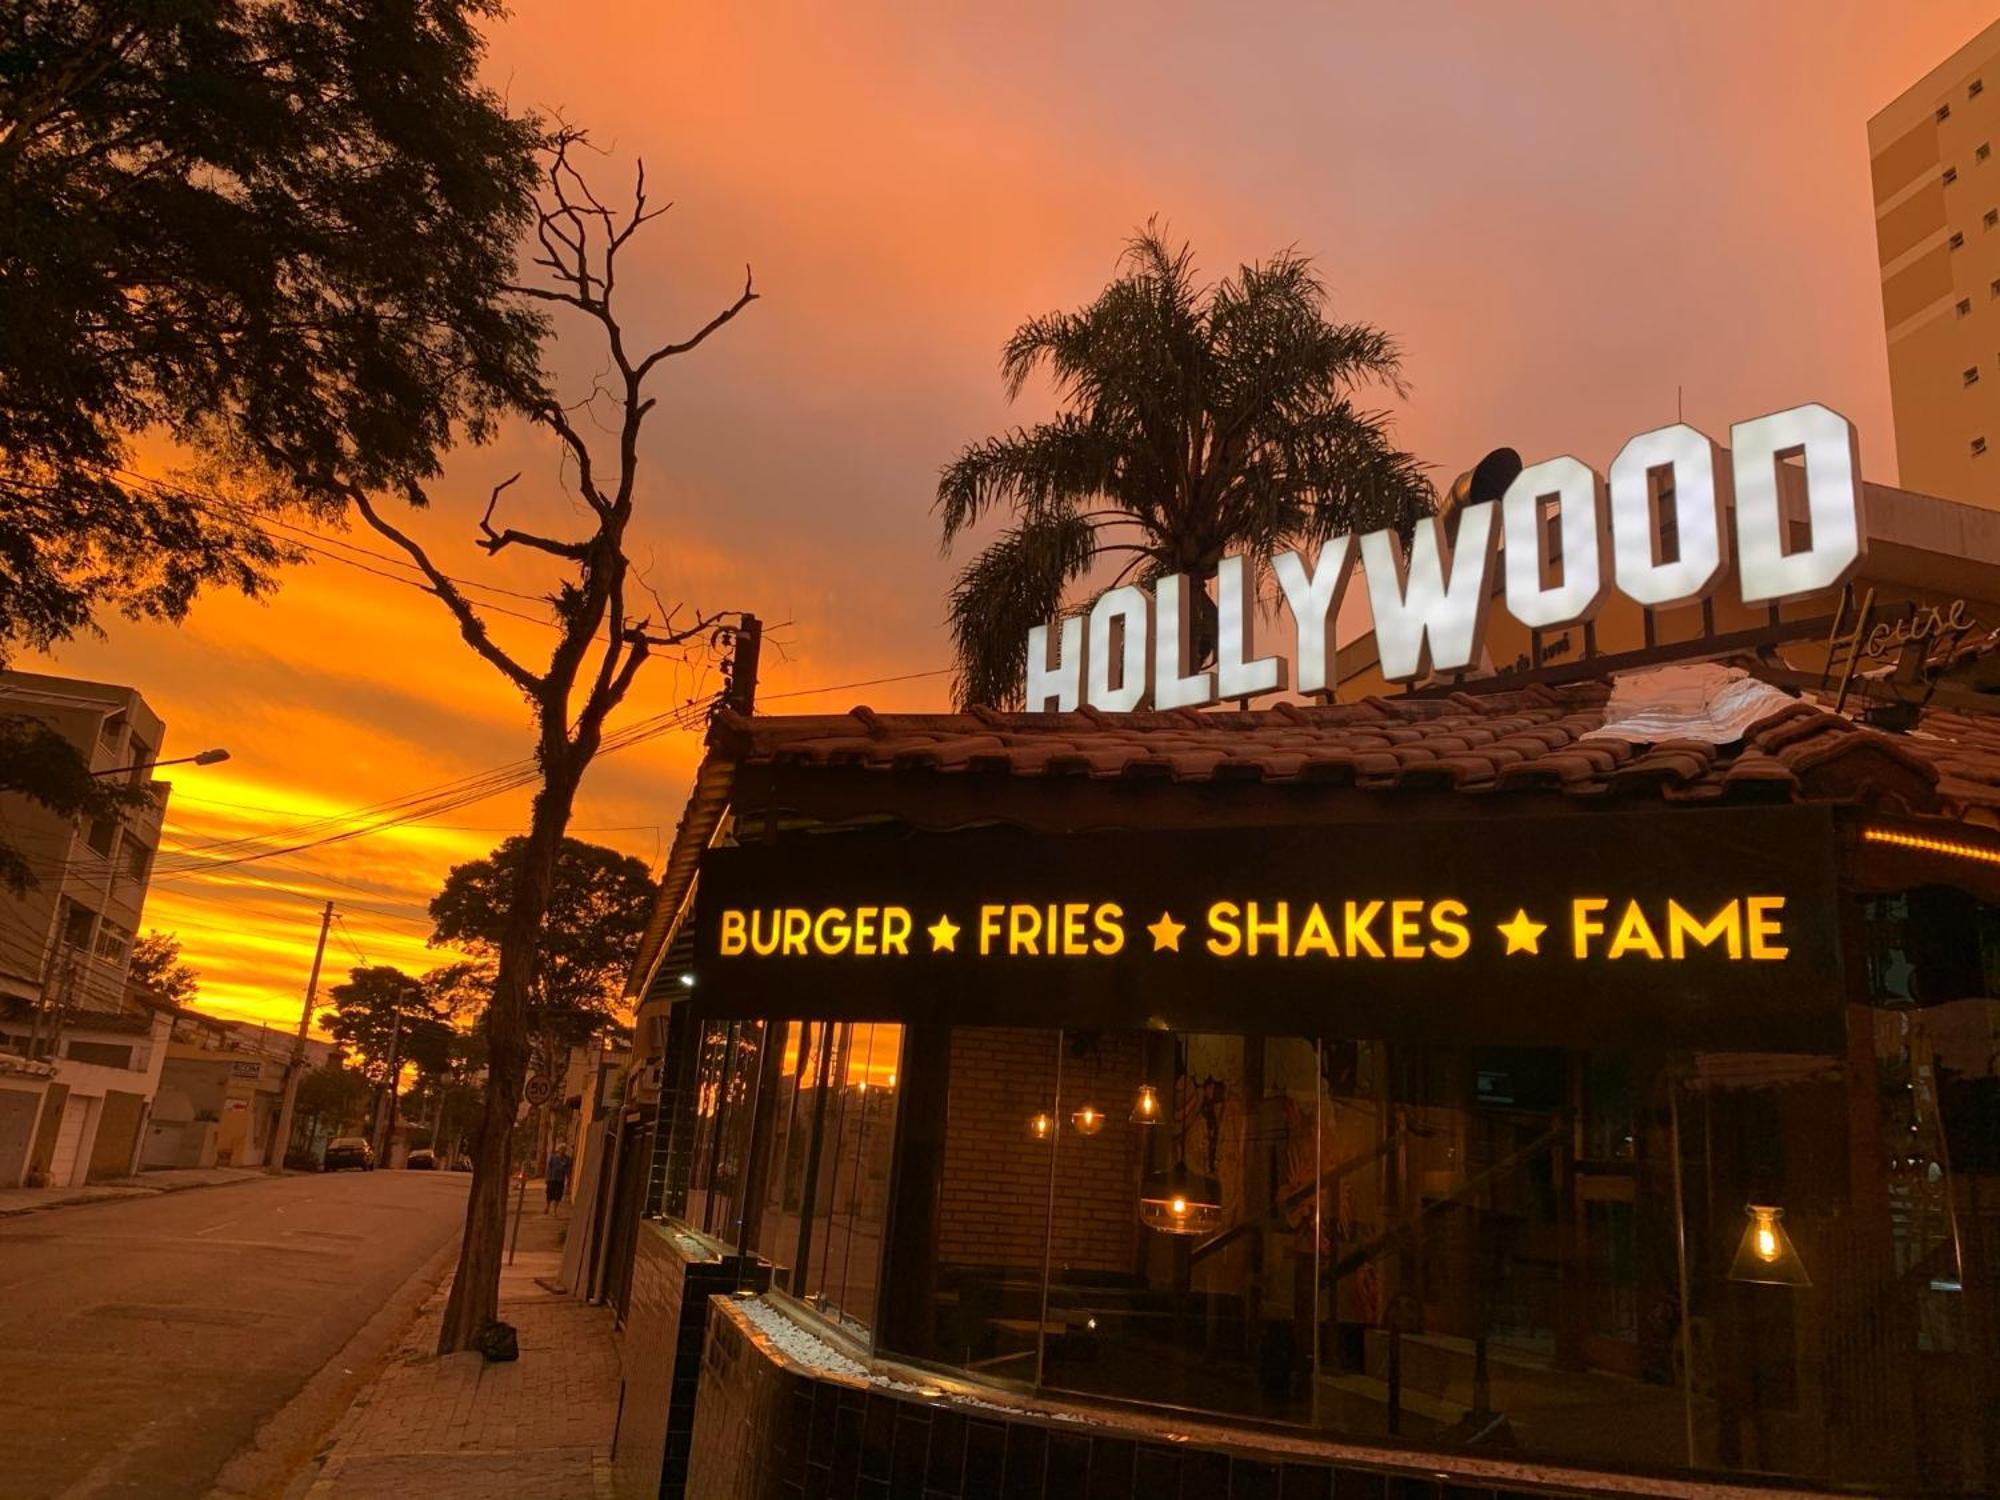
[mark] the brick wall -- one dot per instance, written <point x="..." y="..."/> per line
<point x="996" y="1188"/>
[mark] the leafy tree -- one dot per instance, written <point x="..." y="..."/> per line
<point x="379" y="1013"/>
<point x="332" y="1098"/>
<point x="270" y="229"/>
<point x="157" y="967"/>
<point x="1196" y="420"/>
<point x="598" y="906"/>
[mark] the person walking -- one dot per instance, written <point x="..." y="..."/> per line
<point x="555" y="1180"/>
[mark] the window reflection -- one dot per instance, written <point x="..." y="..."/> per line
<point x="1536" y="1250"/>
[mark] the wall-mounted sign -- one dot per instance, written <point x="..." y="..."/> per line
<point x="1711" y="928"/>
<point x="1659" y="532"/>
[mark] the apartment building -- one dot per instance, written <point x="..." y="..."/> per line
<point x="1937" y="230"/>
<point x="78" y="1069"/>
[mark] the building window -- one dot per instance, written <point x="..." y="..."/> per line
<point x="1957" y="241"/>
<point x="1978" y="446"/>
<point x="1943" y="113"/>
<point x="78" y="922"/>
<point x="138" y="860"/>
<point x="1950" y="176"/>
<point x="142" y="761"/>
<point x="113" y="941"/>
<point x="101" y="832"/>
<point x="1965" y="307"/>
<point x="1971" y="376"/>
<point x="814" y="1201"/>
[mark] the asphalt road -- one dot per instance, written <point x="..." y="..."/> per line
<point x="143" y="1342"/>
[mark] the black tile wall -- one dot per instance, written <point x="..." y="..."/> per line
<point x="763" y="1432"/>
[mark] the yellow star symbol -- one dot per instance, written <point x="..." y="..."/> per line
<point x="1167" y="933"/>
<point x="944" y="935"/>
<point x="1523" y="934"/>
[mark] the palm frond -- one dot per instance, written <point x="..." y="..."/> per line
<point x="1012" y="586"/>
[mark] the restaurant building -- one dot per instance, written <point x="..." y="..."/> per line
<point x="1576" y="1087"/>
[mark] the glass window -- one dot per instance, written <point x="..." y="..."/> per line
<point x="138" y="859"/>
<point x="78" y="924"/>
<point x="724" y="1097"/>
<point x="851" y="1199"/>
<point x="1182" y="1265"/>
<point x="113" y="941"/>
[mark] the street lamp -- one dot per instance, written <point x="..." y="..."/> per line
<point x="202" y="758"/>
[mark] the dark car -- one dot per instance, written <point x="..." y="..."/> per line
<point x="423" y="1159"/>
<point x="348" y="1151"/>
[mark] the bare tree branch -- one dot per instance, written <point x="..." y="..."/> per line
<point x="469" y="624"/>
<point x="492" y="541"/>
<point x="668" y="351"/>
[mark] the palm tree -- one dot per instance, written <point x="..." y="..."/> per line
<point x="1196" y="420"/>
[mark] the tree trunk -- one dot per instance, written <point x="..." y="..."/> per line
<point x="475" y="1288"/>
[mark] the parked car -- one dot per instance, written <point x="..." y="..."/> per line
<point x="423" y="1159"/>
<point x="348" y="1151"/>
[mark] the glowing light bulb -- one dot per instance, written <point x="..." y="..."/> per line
<point x="1088" y="1120"/>
<point x="1767" y="1243"/>
<point x="1041" y="1126"/>
<point x="1146" y="1108"/>
<point x="1179" y="1207"/>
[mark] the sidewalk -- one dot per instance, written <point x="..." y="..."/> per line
<point x="458" y="1428"/>
<point x="146" y="1185"/>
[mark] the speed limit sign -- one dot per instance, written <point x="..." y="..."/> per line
<point x="538" y="1090"/>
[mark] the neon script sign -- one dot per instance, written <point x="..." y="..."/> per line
<point x="1562" y="536"/>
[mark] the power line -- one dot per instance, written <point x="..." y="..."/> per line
<point x="494" y="784"/>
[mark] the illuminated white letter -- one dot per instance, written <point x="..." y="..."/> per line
<point x="1314" y="599"/>
<point x="1700" y="490"/>
<point x="1130" y="607"/>
<point x="1833" y="502"/>
<point x="1420" y="611"/>
<point x="1059" y="686"/>
<point x="1173" y="685"/>
<point x="1579" y="497"/>
<point x="1237" y="673"/>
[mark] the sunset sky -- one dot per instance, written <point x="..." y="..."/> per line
<point x="1566" y="212"/>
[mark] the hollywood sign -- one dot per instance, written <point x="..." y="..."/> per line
<point x="1131" y="648"/>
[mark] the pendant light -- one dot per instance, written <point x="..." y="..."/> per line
<point x="1042" y="1125"/>
<point x="1088" y="1120"/>
<point x="1767" y="1254"/>
<point x="1146" y="1108"/>
<point x="1180" y="1202"/>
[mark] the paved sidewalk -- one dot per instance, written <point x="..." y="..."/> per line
<point x="145" y="1185"/>
<point x="458" y="1428"/>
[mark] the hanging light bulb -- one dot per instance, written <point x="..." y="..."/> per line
<point x="1146" y="1108"/>
<point x="1088" y="1120"/>
<point x="1180" y="1202"/>
<point x="1042" y="1125"/>
<point x="1767" y="1254"/>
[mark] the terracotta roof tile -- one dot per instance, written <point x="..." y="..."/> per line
<point x="1525" y="740"/>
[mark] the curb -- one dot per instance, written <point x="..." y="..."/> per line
<point x="291" y="1451"/>
<point x="125" y="1192"/>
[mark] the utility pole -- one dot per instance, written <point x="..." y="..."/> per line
<point x="385" y="1121"/>
<point x="282" y="1143"/>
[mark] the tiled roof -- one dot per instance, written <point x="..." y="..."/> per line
<point x="1533" y="739"/>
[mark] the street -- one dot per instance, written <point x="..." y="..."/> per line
<point x="144" y="1342"/>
